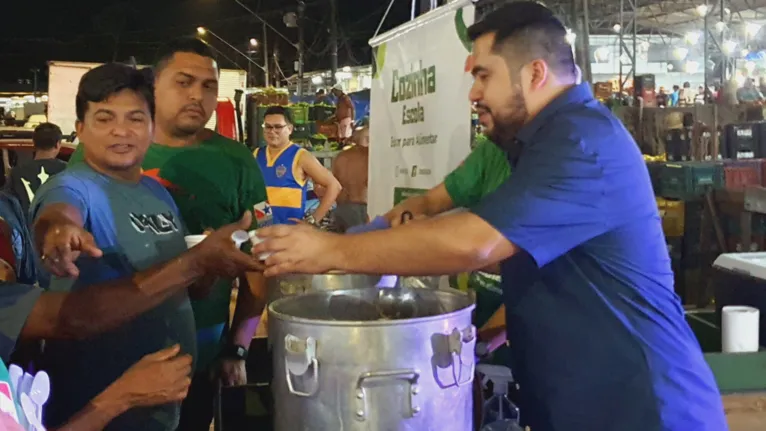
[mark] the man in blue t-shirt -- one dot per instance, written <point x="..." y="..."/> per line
<point x="125" y="229"/>
<point x="598" y="338"/>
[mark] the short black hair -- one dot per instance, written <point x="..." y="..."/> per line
<point x="279" y="110"/>
<point x="46" y="136"/>
<point x="192" y="45"/>
<point x="528" y="30"/>
<point x="320" y="91"/>
<point x="104" y="81"/>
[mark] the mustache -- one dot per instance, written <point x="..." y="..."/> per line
<point x="482" y="107"/>
<point x="195" y="107"/>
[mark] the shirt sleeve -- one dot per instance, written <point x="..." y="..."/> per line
<point x="464" y="183"/>
<point x="553" y="202"/>
<point x="252" y="188"/>
<point x="16" y="304"/>
<point x="77" y="155"/>
<point x="61" y="189"/>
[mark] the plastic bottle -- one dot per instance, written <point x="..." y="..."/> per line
<point x="499" y="413"/>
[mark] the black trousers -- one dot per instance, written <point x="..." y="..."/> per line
<point x="197" y="410"/>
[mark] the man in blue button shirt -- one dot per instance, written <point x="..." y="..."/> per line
<point x="598" y="338"/>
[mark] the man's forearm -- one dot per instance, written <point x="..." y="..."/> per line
<point x="104" y="306"/>
<point x="97" y="414"/>
<point x="251" y="301"/>
<point x="331" y="194"/>
<point x="444" y="245"/>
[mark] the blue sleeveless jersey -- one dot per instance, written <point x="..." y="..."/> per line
<point x="286" y="193"/>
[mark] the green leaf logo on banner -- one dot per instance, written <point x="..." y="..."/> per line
<point x="379" y="55"/>
<point x="462" y="30"/>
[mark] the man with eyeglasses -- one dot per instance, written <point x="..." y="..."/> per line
<point x="287" y="167"/>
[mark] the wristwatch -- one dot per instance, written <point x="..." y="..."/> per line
<point x="234" y="351"/>
<point x="311" y="220"/>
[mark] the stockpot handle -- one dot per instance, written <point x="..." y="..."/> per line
<point x="409" y="375"/>
<point x="456" y="340"/>
<point x="300" y="356"/>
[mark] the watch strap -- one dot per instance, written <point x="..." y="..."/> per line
<point x="234" y="351"/>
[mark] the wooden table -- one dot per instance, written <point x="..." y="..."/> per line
<point x="746" y="412"/>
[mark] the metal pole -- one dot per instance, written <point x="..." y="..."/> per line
<point x="249" y="70"/>
<point x="333" y="41"/>
<point x="587" y="75"/>
<point x="621" y="42"/>
<point x="724" y="58"/>
<point x="635" y="47"/>
<point x="301" y="46"/>
<point x="277" y="81"/>
<point x="705" y="48"/>
<point x="265" y="59"/>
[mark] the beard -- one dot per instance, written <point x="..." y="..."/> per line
<point x="508" y="121"/>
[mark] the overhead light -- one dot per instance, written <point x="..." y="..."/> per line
<point x="702" y="10"/>
<point x="692" y="37"/>
<point x="617" y="28"/>
<point x="670" y="67"/>
<point x="729" y="46"/>
<point x="720" y="26"/>
<point x="253" y="41"/>
<point x="316" y="79"/>
<point x="570" y="37"/>
<point x="726" y="10"/>
<point x="691" y="67"/>
<point x="601" y="54"/>
<point x="346" y="69"/>
<point x="752" y="29"/>
<point x="201" y="30"/>
<point x="680" y="53"/>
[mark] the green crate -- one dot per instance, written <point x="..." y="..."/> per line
<point x="303" y="131"/>
<point x="321" y="112"/>
<point x="655" y="170"/>
<point x="690" y="180"/>
<point x="300" y="114"/>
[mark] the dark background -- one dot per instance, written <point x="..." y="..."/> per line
<point x="35" y="32"/>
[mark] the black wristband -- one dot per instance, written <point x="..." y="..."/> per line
<point x="233" y="351"/>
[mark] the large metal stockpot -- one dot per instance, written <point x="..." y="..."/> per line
<point x="373" y="359"/>
<point x="298" y="284"/>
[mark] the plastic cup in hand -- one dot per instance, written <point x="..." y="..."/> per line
<point x="192" y="240"/>
<point x="255" y="241"/>
<point x="240" y="237"/>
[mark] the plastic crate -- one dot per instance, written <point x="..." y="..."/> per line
<point x="300" y="114"/>
<point x="321" y="112"/>
<point x="328" y="129"/>
<point x="655" y="173"/>
<point x="673" y="215"/>
<point x="739" y="174"/>
<point x="690" y="180"/>
<point x="303" y="131"/>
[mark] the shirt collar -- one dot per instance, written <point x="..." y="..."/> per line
<point x="576" y="95"/>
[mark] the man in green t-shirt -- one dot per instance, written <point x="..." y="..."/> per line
<point x="213" y="181"/>
<point x="483" y="171"/>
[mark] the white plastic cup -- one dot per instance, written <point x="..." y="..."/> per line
<point x="192" y="240"/>
<point x="255" y="241"/>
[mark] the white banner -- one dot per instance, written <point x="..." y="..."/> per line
<point x="420" y="116"/>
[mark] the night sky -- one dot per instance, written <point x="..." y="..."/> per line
<point x="32" y="33"/>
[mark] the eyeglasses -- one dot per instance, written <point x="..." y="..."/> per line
<point x="276" y="127"/>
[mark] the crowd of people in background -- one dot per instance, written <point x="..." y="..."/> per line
<point x="729" y="94"/>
